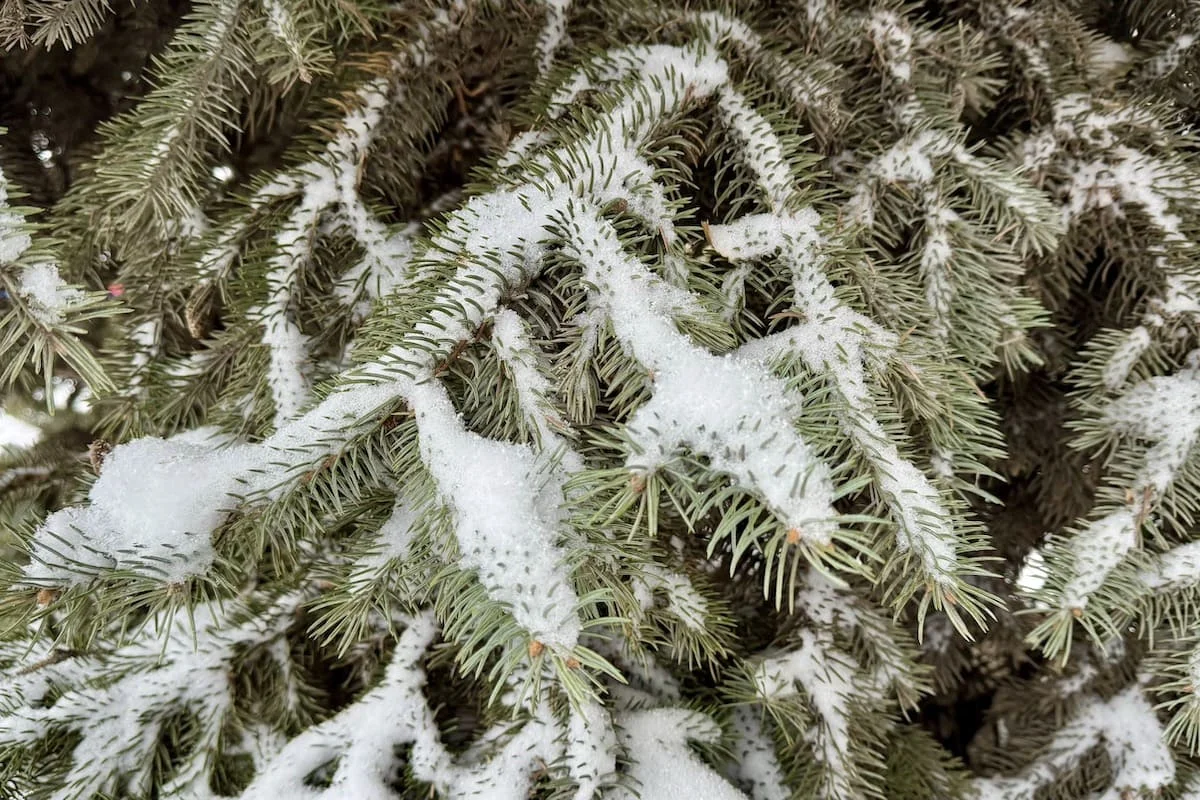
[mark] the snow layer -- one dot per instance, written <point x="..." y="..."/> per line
<point x="1164" y="411"/>
<point x="500" y="765"/>
<point x="127" y="699"/>
<point x="1131" y="735"/>
<point x="827" y="679"/>
<point x="732" y="409"/>
<point x="506" y="509"/>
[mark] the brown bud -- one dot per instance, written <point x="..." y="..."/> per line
<point x="536" y="648"/>
<point x="573" y="663"/>
<point x="1077" y="612"/>
<point x="198" y="313"/>
<point x="794" y="535"/>
<point x="637" y="483"/>
<point x="46" y="596"/>
<point x="618" y="206"/>
<point x="97" y="451"/>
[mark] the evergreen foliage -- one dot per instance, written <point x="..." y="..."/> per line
<point x="608" y="400"/>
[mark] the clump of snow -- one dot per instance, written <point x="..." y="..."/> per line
<point x="553" y="32"/>
<point x="834" y="340"/>
<point x="500" y="765"/>
<point x="48" y="294"/>
<point x="894" y="42"/>
<point x="145" y="338"/>
<point x="840" y="343"/>
<point x="591" y="748"/>
<point x="663" y="764"/>
<point x="734" y="410"/>
<point x="682" y="598"/>
<point x="1167" y="61"/>
<point x="1123" y="359"/>
<point x="1097" y="551"/>
<point x="506" y="509"/>
<point x="936" y="255"/>
<point x="1177" y="568"/>
<point x="762" y="150"/>
<point x="1033" y="574"/>
<point x="154" y="506"/>
<point x="1107" y="56"/>
<point x="755" y="762"/>
<point x="511" y="339"/>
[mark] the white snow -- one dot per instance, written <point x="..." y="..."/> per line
<point x="1097" y="551"/>
<point x="664" y="766"/>
<point x="841" y="344"/>
<point x="1164" y="411"/>
<point x="282" y="26"/>
<point x="827" y="678"/>
<point x="1177" y="568"/>
<point x="833" y="339"/>
<point x="1172" y="56"/>
<point x="893" y="41"/>
<point x="49" y="296"/>
<point x="500" y="765"/>
<point x="762" y="151"/>
<point x="15" y="237"/>
<point x="732" y="409"/>
<point x="1132" y="737"/>
<point x="154" y="507"/>
<point x="506" y="509"/>
<point x="755" y="761"/>
<point x="16" y="433"/>
<point x="287" y="373"/>
<point x="510" y="338"/>
<point x="591" y="748"/>
<point x="553" y="32"/>
<point x="145" y="339"/>
<point x="936" y="255"/>
<point x="1123" y="359"/>
<point x="128" y="696"/>
<point x="682" y="598"/>
<point x="1033" y="574"/>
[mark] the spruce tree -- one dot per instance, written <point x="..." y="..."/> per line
<point x="466" y="399"/>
